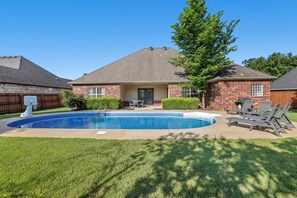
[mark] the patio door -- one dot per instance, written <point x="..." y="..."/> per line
<point x="147" y="95"/>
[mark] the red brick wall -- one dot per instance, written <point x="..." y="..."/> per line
<point x="222" y="95"/>
<point x="112" y="91"/>
<point x="175" y="91"/>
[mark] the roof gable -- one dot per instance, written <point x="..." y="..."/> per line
<point x="19" y="70"/>
<point x="146" y="65"/>
<point x="286" y="82"/>
<point x="238" y="72"/>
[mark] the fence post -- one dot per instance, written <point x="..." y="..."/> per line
<point x="42" y="101"/>
<point x="21" y="102"/>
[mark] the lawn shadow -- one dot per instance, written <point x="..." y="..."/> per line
<point x="188" y="136"/>
<point x="219" y="168"/>
<point x="103" y="186"/>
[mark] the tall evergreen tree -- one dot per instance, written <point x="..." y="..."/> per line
<point x="276" y="64"/>
<point x="204" y="41"/>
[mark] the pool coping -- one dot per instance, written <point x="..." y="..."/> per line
<point x="218" y="130"/>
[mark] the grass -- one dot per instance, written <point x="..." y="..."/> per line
<point x="45" y="167"/>
<point x="292" y="114"/>
<point x="37" y="112"/>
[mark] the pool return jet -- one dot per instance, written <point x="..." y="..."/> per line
<point x="30" y="102"/>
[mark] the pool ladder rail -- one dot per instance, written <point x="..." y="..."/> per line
<point x="104" y="109"/>
<point x="101" y="114"/>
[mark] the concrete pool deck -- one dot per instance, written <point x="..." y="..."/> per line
<point x="218" y="130"/>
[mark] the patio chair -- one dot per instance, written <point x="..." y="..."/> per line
<point x="131" y="104"/>
<point x="266" y="121"/>
<point x="282" y="117"/>
<point x="247" y="105"/>
<point x="140" y="103"/>
<point x="135" y="102"/>
<point x="264" y="109"/>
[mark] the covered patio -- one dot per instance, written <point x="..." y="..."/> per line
<point x="151" y="94"/>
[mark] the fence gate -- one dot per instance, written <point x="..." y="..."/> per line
<point x="282" y="97"/>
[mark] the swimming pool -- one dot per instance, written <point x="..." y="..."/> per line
<point x="112" y="120"/>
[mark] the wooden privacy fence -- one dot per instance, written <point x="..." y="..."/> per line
<point x="14" y="102"/>
<point x="282" y="97"/>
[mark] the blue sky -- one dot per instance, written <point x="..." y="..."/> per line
<point x="72" y="37"/>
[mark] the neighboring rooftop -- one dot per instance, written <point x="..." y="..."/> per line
<point x="238" y="72"/>
<point x="147" y="65"/>
<point x="286" y="82"/>
<point x="19" y="70"/>
<point x="13" y="62"/>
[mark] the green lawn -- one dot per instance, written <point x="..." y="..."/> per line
<point x="292" y="114"/>
<point x="44" y="167"/>
<point x="38" y="112"/>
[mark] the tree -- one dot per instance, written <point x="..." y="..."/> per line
<point x="204" y="41"/>
<point x="277" y="64"/>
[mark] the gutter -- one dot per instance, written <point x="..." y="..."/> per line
<point x="283" y="89"/>
<point x="135" y="82"/>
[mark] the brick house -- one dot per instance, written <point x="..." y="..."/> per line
<point x="148" y="75"/>
<point x="19" y="75"/>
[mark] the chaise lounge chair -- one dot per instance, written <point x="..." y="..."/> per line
<point x="267" y="121"/>
<point x="264" y="109"/>
<point x="282" y="117"/>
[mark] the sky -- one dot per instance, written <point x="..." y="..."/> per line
<point x="73" y="37"/>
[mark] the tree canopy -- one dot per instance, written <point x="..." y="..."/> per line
<point x="204" y="41"/>
<point x="276" y="64"/>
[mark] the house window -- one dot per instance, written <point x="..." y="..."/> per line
<point x="188" y="93"/>
<point x="256" y="90"/>
<point x="96" y="92"/>
<point x="50" y="90"/>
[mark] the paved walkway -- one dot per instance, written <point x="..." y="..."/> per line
<point x="218" y="130"/>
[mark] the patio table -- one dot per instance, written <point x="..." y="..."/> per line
<point x="136" y="103"/>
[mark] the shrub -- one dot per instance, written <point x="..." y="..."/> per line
<point x="73" y="101"/>
<point x="103" y="103"/>
<point x="180" y="103"/>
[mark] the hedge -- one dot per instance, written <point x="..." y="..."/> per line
<point x="180" y="103"/>
<point x="103" y="103"/>
<point x="72" y="100"/>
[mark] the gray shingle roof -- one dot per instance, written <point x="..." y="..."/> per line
<point x="142" y="66"/>
<point x="238" y="72"/>
<point x="152" y="66"/>
<point x="19" y="70"/>
<point x="286" y="82"/>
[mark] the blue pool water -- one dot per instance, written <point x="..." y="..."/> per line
<point x="113" y="121"/>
